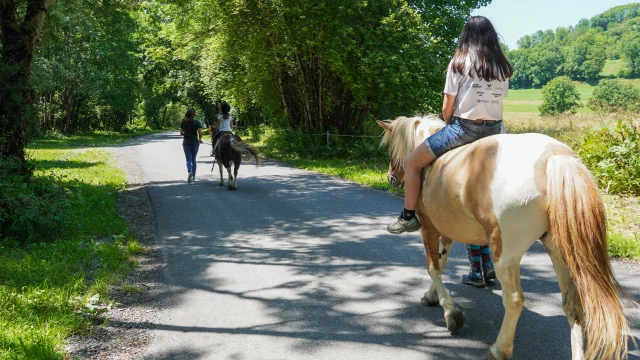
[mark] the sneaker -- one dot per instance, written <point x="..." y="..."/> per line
<point x="473" y="279"/>
<point x="401" y="225"/>
<point x="193" y="179"/>
<point x="190" y="178"/>
<point x="489" y="273"/>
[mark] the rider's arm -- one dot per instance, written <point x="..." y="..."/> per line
<point x="447" y="107"/>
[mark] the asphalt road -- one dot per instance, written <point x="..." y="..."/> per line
<point x="296" y="265"/>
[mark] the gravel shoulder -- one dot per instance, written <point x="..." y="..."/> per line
<point x="134" y="298"/>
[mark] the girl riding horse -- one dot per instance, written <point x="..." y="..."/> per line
<point x="225" y="123"/>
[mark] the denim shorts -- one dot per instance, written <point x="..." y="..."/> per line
<point x="461" y="132"/>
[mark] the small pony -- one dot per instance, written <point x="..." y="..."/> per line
<point x="229" y="149"/>
<point x="508" y="191"/>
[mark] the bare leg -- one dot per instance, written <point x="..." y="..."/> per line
<point x="413" y="165"/>
<point x="571" y="303"/>
<point x="513" y="299"/>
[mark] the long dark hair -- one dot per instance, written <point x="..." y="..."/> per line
<point x="479" y="50"/>
<point x="189" y="116"/>
<point x="225" y="108"/>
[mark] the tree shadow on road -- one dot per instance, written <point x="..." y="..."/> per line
<point x="311" y="252"/>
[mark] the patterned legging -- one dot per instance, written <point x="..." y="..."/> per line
<point x="479" y="257"/>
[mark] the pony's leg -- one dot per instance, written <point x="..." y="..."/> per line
<point x="236" y="166"/>
<point x="453" y="316"/>
<point x="221" y="175"/>
<point x="508" y="271"/>
<point x="430" y="297"/>
<point x="230" y="184"/>
<point x="571" y="303"/>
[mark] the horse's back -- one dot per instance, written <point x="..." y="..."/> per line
<point x="495" y="179"/>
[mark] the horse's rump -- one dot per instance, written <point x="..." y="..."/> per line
<point x="467" y="190"/>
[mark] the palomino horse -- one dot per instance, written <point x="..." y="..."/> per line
<point x="229" y="149"/>
<point x="507" y="191"/>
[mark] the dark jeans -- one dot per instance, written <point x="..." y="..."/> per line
<point x="190" y="152"/>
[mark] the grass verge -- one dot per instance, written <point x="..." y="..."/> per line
<point x="55" y="285"/>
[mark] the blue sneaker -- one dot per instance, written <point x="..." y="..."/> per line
<point x="473" y="279"/>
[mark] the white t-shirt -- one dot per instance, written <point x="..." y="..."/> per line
<point x="476" y="99"/>
<point x="225" y="124"/>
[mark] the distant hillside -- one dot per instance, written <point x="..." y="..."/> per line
<point x="582" y="51"/>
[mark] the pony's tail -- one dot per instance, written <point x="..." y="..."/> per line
<point x="246" y="148"/>
<point x="578" y="226"/>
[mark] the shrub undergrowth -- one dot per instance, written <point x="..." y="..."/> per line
<point x="613" y="156"/>
<point x="62" y="243"/>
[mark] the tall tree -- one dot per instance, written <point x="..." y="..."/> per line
<point x="21" y="22"/>
<point x="630" y="45"/>
<point x="326" y="65"/>
<point x="585" y="57"/>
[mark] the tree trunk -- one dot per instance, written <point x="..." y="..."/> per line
<point x="19" y="41"/>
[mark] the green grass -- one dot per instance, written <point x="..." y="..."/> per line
<point x="372" y="173"/>
<point x="528" y="100"/>
<point x="53" y="286"/>
<point x="91" y="139"/>
<point x="612" y="67"/>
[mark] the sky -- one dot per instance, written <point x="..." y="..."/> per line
<point x="515" y="18"/>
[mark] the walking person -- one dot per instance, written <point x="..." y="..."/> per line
<point x="191" y="130"/>
<point x="477" y="80"/>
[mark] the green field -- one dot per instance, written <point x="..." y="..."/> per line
<point x="528" y="100"/>
<point x="612" y="67"/>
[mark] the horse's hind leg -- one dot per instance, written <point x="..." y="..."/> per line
<point x="453" y="316"/>
<point x="236" y="166"/>
<point x="513" y="300"/>
<point x="231" y="179"/>
<point x="571" y="303"/>
<point x="221" y="175"/>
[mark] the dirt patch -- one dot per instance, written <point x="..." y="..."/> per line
<point x="122" y="331"/>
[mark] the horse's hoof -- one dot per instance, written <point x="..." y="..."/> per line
<point x="455" y="320"/>
<point x="494" y="354"/>
<point x="221" y="184"/>
<point x="426" y="302"/>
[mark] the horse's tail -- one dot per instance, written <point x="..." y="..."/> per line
<point x="578" y="226"/>
<point x="245" y="148"/>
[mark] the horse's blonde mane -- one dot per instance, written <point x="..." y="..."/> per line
<point x="402" y="135"/>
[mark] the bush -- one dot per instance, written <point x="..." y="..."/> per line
<point x="613" y="96"/>
<point x="625" y="73"/>
<point x="613" y="156"/>
<point x="30" y="208"/>
<point x="559" y="96"/>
